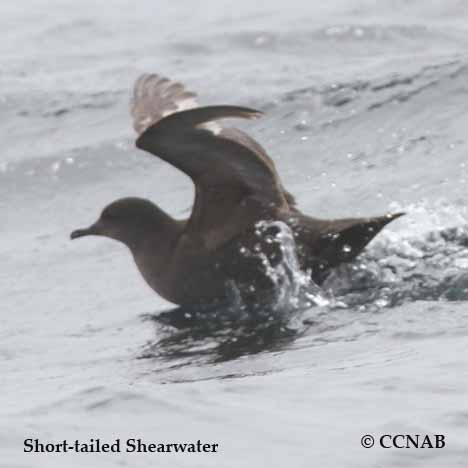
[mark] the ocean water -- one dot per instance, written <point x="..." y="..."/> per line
<point x="366" y="107"/>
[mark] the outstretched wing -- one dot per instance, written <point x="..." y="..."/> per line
<point x="234" y="186"/>
<point x="156" y="97"/>
<point x="235" y="180"/>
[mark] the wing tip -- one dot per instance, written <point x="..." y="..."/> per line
<point x="392" y="216"/>
<point x="155" y="96"/>
<point x="252" y="114"/>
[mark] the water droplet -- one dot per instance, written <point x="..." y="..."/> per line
<point x="55" y="166"/>
<point x="358" y="32"/>
<point x="261" y="40"/>
<point x="382" y="302"/>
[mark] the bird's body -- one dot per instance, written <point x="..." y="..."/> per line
<point x="220" y="247"/>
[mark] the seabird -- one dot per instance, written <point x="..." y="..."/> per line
<point x="200" y="260"/>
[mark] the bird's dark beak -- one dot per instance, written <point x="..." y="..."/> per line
<point x="92" y="230"/>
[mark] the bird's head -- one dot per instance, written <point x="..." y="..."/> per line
<point x="127" y="220"/>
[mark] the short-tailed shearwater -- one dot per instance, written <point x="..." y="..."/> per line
<point x="198" y="260"/>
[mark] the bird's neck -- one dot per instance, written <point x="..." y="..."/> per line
<point x="153" y="254"/>
<point x="154" y="236"/>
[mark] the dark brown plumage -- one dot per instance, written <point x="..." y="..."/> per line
<point x="198" y="260"/>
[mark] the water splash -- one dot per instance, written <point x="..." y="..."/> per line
<point x="294" y="287"/>
<point x="221" y="333"/>
<point x="429" y="263"/>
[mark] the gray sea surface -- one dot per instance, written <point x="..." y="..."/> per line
<point x="366" y="112"/>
